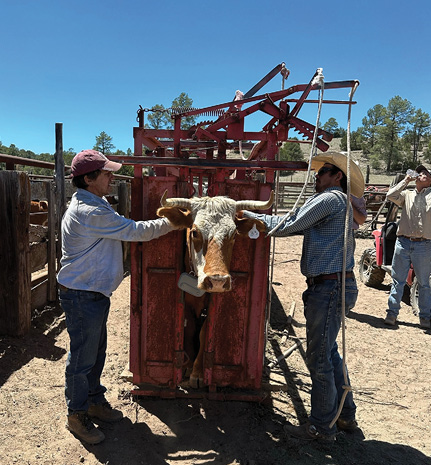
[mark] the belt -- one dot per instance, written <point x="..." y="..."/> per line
<point x="65" y="289"/>
<point x="416" y="239"/>
<point x="324" y="277"/>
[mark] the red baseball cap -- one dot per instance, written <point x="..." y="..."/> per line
<point x="91" y="160"/>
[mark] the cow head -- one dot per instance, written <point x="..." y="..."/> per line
<point x="212" y="227"/>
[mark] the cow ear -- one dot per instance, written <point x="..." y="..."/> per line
<point x="243" y="225"/>
<point x="179" y="218"/>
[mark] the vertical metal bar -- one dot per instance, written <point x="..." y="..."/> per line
<point x="177" y="136"/>
<point x="52" y="282"/>
<point x="141" y="117"/>
<point x="59" y="185"/>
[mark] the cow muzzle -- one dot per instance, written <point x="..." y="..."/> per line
<point x="216" y="283"/>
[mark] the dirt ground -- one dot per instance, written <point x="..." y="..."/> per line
<point x="389" y="367"/>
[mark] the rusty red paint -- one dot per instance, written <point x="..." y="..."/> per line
<point x="235" y="337"/>
<point x="234" y="347"/>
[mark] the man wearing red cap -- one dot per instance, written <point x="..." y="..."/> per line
<point x="413" y="245"/>
<point x="91" y="269"/>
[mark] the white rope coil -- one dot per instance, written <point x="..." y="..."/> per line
<point x="347" y="231"/>
<point x="319" y="78"/>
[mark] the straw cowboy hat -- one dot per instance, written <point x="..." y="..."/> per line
<point x="339" y="159"/>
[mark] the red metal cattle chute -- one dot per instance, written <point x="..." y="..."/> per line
<point x="184" y="162"/>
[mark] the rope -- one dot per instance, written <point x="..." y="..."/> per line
<point x="285" y="74"/>
<point x="318" y="79"/>
<point x="347" y="231"/>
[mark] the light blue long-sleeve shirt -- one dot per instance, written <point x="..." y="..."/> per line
<point x="321" y="220"/>
<point x="92" y="231"/>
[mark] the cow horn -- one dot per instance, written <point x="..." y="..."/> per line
<point x="175" y="202"/>
<point x="255" y="204"/>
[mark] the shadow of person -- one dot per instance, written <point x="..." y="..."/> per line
<point x="40" y="342"/>
<point x="185" y="431"/>
<point x="378" y="322"/>
<point x="127" y="443"/>
<point x="349" y="449"/>
<point x="207" y="432"/>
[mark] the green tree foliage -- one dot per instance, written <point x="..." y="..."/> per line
<point x="125" y="170"/>
<point x="290" y="151"/>
<point x="389" y="145"/>
<point x="68" y="156"/>
<point x="420" y="126"/>
<point x="104" y="143"/>
<point x="375" y="118"/>
<point x="356" y="140"/>
<point x="332" y="127"/>
<point x="184" y="101"/>
<point x="427" y="150"/>
<point x="159" y="117"/>
<point x="396" y="135"/>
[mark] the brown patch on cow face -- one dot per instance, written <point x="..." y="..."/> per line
<point x="244" y="225"/>
<point x="217" y="262"/>
<point x="196" y="238"/>
<point x="179" y="218"/>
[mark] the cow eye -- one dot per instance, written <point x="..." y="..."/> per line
<point x="195" y="234"/>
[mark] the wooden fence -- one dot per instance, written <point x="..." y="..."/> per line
<point x="30" y="253"/>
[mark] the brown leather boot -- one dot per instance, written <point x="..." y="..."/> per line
<point x="83" y="428"/>
<point x="105" y="412"/>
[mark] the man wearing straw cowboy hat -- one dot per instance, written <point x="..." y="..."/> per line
<point x="322" y="221"/>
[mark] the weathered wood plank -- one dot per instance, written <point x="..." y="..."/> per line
<point x="38" y="294"/>
<point x="38" y="255"/>
<point x="38" y="233"/>
<point x="15" y="288"/>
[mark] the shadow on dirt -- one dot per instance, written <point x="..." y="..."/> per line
<point x="15" y="352"/>
<point x="376" y="322"/>
<point x="226" y="433"/>
<point x="282" y="325"/>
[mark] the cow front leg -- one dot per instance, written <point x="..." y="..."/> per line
<point x="197" y="376"/>
<point x="191" y="341"/>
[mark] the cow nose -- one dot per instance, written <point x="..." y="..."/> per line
<point x="217" y="283"/>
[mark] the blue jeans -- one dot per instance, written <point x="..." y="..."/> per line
<point x="322" y="309"/>
<point x="419" y="255"/>
<point x="86" y="317"/>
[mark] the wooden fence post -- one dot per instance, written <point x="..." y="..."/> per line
<point x="124" y="209"/>
<point x="15" y="274"/>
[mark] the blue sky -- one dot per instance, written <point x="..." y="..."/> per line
<point x="90" y="64"/>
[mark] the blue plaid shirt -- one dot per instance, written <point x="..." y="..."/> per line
<point x="321" y="220"/>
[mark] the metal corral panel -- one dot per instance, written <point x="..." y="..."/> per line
<point x="234" y="346"/>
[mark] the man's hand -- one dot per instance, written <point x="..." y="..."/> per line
<point x="408" y="179"/>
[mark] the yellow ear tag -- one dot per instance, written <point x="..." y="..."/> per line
<point x="253" y="233"/>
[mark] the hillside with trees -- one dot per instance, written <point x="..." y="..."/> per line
<point x="392" y="138"/>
